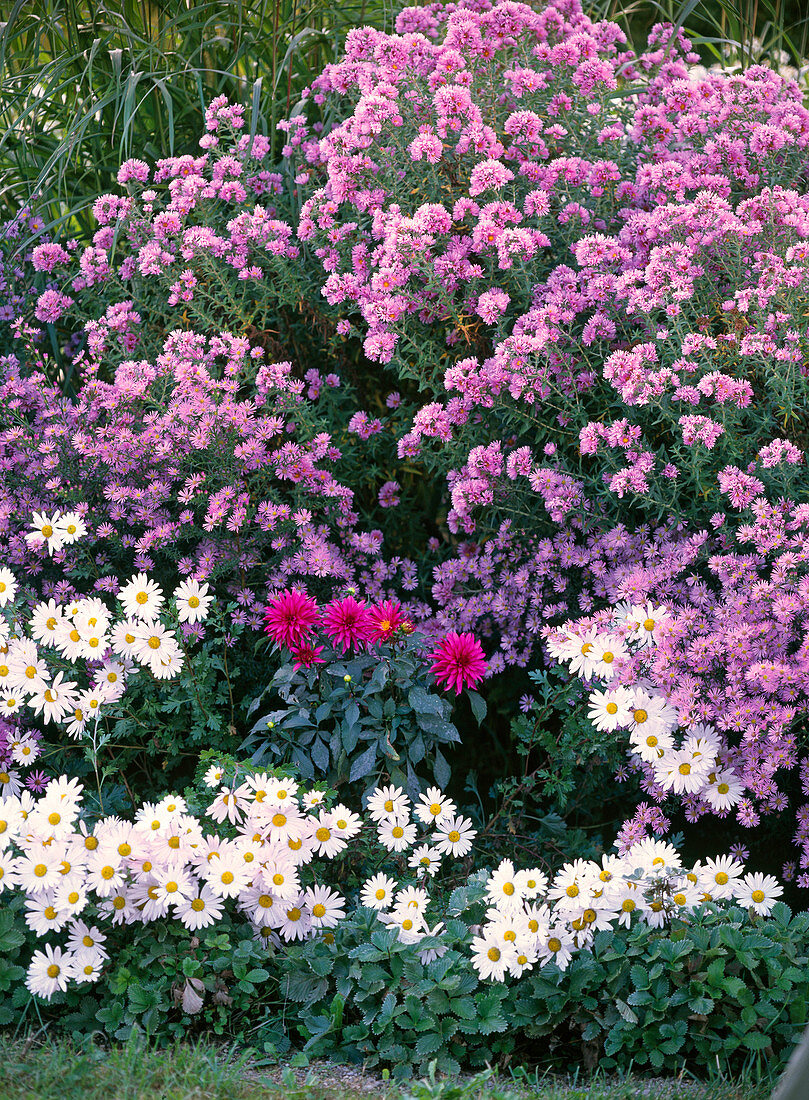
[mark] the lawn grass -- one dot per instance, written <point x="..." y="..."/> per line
<point x="51" y="1070"/>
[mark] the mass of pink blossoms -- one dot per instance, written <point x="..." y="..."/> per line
<point x="601" y="300"/>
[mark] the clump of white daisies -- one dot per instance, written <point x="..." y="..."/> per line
<point x="41" y="651"/>
<point x="81" y="881"/>
<point x="169" y="863"/>
<point x="531" y="921"/>
<point x="696" y="764"/>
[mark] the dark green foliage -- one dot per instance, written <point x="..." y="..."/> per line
<point x="358" y="719"/>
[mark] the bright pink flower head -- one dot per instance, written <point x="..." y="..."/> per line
<point x="307" y="655"/>
<point x="386" y="618"/>
<point x="347" y="622"/>
<point x="291" y="616"/>
<point x="458" y="660"/>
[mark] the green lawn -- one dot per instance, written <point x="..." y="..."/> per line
<point x="36" y="1070"/>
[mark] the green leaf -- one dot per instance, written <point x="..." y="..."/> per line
<point x="363" y="764"/>
<point x="479" y="706"/>
<point x="425" y="702"/>
<point x="441" y="771"/>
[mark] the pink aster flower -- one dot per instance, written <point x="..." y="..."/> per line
<point x="347" y="621"/>
<point x="290" y="617"/>
<point x="458" y="660"/>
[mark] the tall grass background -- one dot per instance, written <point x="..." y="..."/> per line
<point x="85" y="84"/>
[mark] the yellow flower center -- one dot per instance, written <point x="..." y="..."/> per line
<point x="612" y="708"/>
<point x="46" y="531"/>
<point x="193" y="601"/>
<point x="227" y="877"/>
<point x="572" y="890"/>
<point x="88" y="941"/>
<point x="54" y="818"/>
<point x="51" y="623"/>
<point x="323" y="834"/>
<point x="721" y="878"/>
<point x="198" y="905"/>
<point x="281" y="819"/>
<point x="453" y="836"/>
<point x="40" y="870"/>
<point x="757" y="896"/>
<point x="607" y="657"/>
<point x="265" y="901"/>
<point x="294" y="913"/>
<point x="142" y="598"/>
<point x="278" y="879"/>
<point x="53" y="971"/>
<point x="508" y="888"/>
<point x="50" y="696"/>
<point x="554" y="944"/>
<point x="107" y="872"/>
<point x="74" y="635"/>
<point x="397" y="831"/>
<point x="30" y="672"/>
<point x="684" y="769"/>
<point x="640" y="715"/>
<point x="124" y="849"/>
<point x="319" y="910"/>
<point x="171" y="887"/>
<point x="510" y="935"/>
<point x="49" y="913"/>
<point x="90" y="843"/>
<point x="648" y="624"/>
<point x="494" y="954"/>
<point x="589" y="915"/>
<point x="154" y="642"/>
<point x="73" y="897"/>
<point x="389" y="806"/>
<point x="380" y="894"/>
<point x="723" y="788"/>
<point x="119" y="903"/>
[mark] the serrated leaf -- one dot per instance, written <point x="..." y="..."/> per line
<point x="428" y="1044"/>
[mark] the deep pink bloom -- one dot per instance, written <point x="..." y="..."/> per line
<point x="291" y="616"/>
<point x="347" y="621"/>
<point x="458" y="660"/>
<point x="307" y="655"/>
<point x="386" y="618"/>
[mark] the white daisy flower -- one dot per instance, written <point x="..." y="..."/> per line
<point x="193" y="601"/>
<point x="142" y="598"/>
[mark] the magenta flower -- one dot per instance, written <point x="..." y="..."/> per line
<point x="347" y="622"/>
<point x="307" y="655"/>
<point x="290" y="617"/>
<point x="458" y="661"/>
<point x="386" y="618"/>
